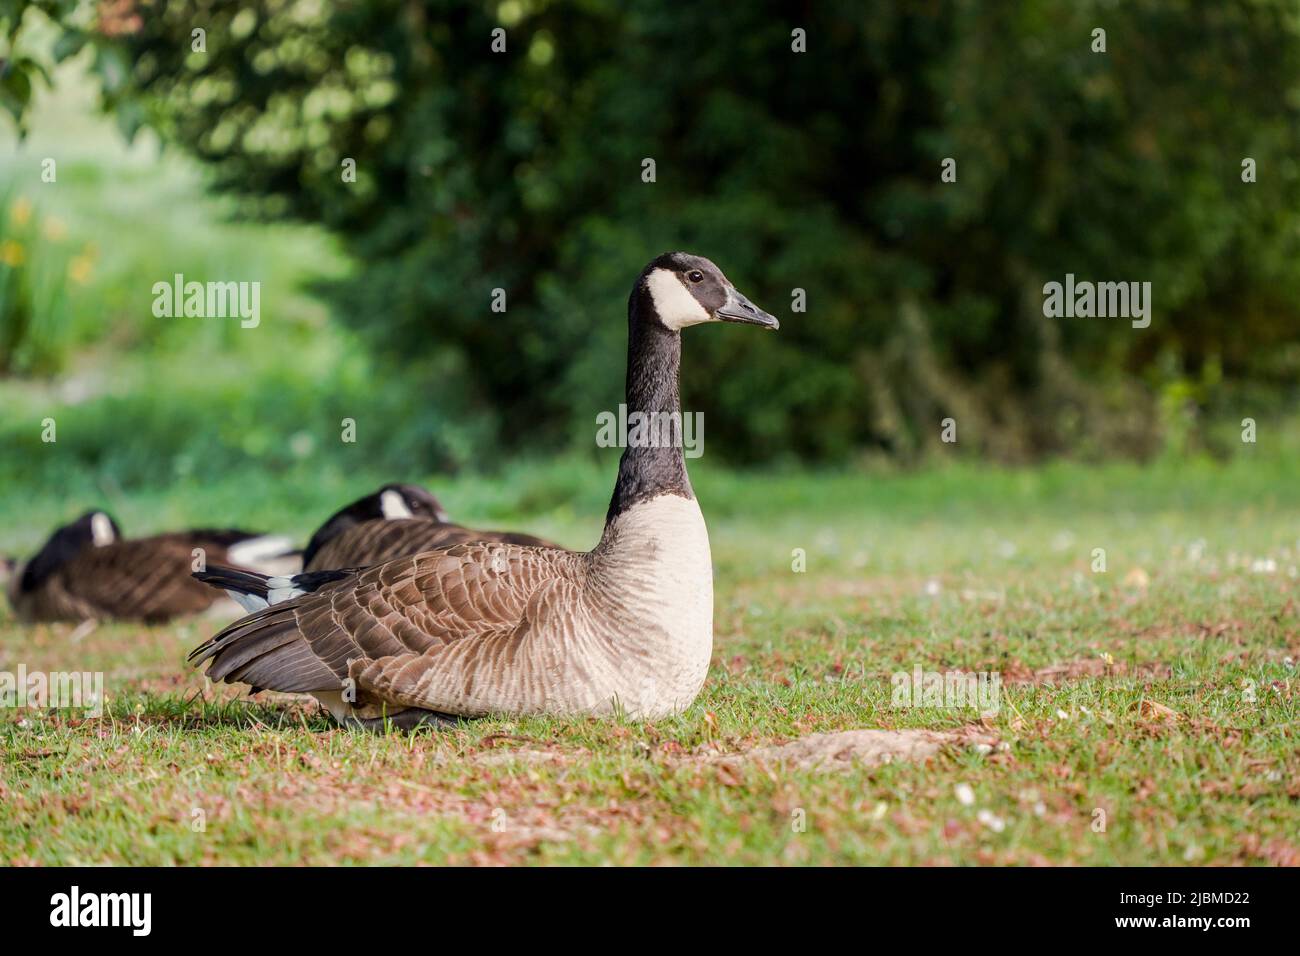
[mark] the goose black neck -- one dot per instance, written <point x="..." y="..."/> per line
<point x="64" y="545"/>
<point x="654" y="355"/>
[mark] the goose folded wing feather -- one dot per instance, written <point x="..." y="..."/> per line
<point x="375" y="542"/>
<point x="499" y="668"/>
<point x="471" y="595"/>
<point x="138" y="580"/>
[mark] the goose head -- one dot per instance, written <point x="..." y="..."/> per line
<point x="687" y="290"/>
<point x="392" y="502"/>
<point x="406" y="501"/>
<point x="94" y="529"/>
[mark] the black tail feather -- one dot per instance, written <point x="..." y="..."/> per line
<point x="259" y="585"/>
<point x="235" y="579"/>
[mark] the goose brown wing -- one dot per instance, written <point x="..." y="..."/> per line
<point x="145" y="579"/>
<point x="374" y="542"/>
<point x="411" y="606"/>
<point x="50" y="602"/>
<point x="496" y="669"/>
<point x="511" y="537"/>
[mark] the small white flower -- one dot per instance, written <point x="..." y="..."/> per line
<point x="965" y="795"/>
<point x="994" y="823"/>
<point x="301" y="444"/>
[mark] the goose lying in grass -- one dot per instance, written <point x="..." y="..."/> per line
<point x="393" y="522"/>
<point x="494" y="627"/>
<point x="88" y="570"/>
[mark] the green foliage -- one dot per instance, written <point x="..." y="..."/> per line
<point x="820" y="170"/>
<point x="148" y="402"/>
<point x="37" y="270"/>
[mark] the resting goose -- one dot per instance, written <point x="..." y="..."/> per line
<point x="393" y="522"/>
<point x="87" y="570"/>
<point x="493" y="627"/>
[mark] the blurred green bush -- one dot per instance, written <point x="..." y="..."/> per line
<point x="818" y="171"/>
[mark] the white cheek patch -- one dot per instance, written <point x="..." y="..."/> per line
<point x="392" y="506"/>
<point x="101" y="529"/>
<point x="676" y="306"/>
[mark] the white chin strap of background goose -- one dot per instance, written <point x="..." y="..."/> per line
<point x="101" y="529"/>
<point x="676" y="306"/>
<point x="392" y="505"/>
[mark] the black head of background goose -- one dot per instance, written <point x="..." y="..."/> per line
<point x="393" y="502"/>
<point x="92" y="529"/>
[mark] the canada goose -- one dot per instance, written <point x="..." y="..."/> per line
<point x="393" y="522"/>
<point x="87" y="570"/>
<point x="502" y="628"/>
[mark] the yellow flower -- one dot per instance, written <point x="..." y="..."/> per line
<point x="11" y="253"/>
<point x="21" y="211"/>
<point x="55" y="229"/>
<point x="79" y="269"/>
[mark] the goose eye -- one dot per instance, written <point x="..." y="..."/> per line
<point x="695" y="275"/>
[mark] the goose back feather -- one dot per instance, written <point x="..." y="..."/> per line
<point x="374" y="542"/>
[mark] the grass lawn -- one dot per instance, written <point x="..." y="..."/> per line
<point x="1147" y="714"/>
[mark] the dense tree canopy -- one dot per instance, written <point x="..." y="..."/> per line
<point x="817" y="170"/>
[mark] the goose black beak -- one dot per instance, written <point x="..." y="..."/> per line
<point x="739" y="309"/>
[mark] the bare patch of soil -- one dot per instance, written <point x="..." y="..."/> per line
<point x="847" y="748"/>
